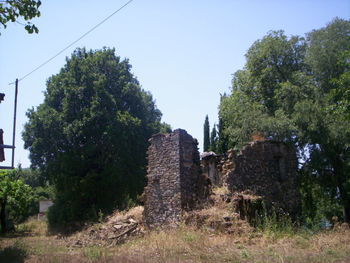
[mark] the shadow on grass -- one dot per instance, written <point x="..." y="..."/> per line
<point x="13" y="254"/>
<point x="16" y="234"/>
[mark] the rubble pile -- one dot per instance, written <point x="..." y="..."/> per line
<point x="117" y="228"/>
<point x="248" y="206"/>
<point x="225" y="214"/>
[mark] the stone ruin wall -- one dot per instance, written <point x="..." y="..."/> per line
<point x="210" y="169"/>
<point x="262" y="168"/>
<point x="175" y="183"/>
<point x="267" y="169"/>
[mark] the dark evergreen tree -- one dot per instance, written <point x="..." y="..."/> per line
<point x="222" y="139"/>
<point x="206" y="138"/>
<point x="213" y="140"/>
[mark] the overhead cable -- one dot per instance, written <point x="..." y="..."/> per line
<point x="71" y="44"/>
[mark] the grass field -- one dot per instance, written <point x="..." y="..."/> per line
<point x="31" y="243"/>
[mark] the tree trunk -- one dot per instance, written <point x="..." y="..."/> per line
<point x="346" y="212"/>
<point x="3" y="216"/>
<point x="344" y="197"/>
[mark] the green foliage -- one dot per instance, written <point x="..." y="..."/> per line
<point x="222" y="142"/>
<point x="297" y="91"/>
<point x="41" y="190"/>
<point x="165" y="128"/>
<point x="271" y="62"/>
<point x="325" y="45"/>
<point x="32" y="177"/>
<point x="243" y="118"/>
<point x="213" y="140"/>
<point x="89" y="137"/>
<point x="274" y="225"/>
<point x="15" y="198"/>
<point x="206" y="138"/>
<point x="319" y="204"/>
<point x="95" y="253"/>
<point x="11" y="10"/>
<point x="340" y="94"/>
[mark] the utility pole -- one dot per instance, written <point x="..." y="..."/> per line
<point x="14" y="126"/>
<point x="4" y="146"/>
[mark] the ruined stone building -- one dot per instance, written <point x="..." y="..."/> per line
<point x="178" y="182"/>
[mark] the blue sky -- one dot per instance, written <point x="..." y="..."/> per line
<point x="183" y="52"/>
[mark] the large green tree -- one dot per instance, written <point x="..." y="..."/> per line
<point x="90" y="135"/>
<point x="296" y="90"/>
<point x="12" y="10"/>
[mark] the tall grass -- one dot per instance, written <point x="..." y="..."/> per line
<point x="275" y="227"/>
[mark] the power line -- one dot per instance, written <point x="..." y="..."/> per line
<point x="71" y="44"/>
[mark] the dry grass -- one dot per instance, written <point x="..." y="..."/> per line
<point x="33" y="227"/>
<point x="190" y="245"/>
<point x="221" y="190"/>
<point x="185" y="244"/>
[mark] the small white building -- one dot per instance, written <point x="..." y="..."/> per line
<point x="43" y="207"/>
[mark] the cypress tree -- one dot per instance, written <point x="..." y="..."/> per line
<point x="206" y="140"/>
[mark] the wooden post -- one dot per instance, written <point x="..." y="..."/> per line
<point x="14" y="125"/>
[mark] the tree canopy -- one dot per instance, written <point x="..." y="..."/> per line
<point x="12" y="10"/>
<point x="296" y="90"/>
<point x="90" y="135"/>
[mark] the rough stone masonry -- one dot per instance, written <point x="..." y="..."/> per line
<point x="175" y="183"/>
<point x="263" y="170"/>
<point x="268" y="169"/>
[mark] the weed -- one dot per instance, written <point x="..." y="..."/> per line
<point x="101" y="216"/>
<point x="190" y="237"/>
<point x="244" y="253"/>
<point x="95" y="254"/>
<point x="276" y="227"/>
<point x="302" y="242"/>
<point x="240" y="247"/>
<point x="24" y="228"/>
<point x="33" y="226"/>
